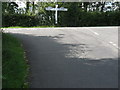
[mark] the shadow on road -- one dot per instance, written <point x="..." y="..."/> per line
<point x="52" y="67"/>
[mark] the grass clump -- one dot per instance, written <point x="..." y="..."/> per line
<point x="14" y="66"/>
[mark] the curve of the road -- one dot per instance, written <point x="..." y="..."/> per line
<point x="81" y="57"/>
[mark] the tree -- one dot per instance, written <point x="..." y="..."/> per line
<point x="27" y="7"/>
<point x="33" y="7"/>
<point x="9" y="7"/>
<point x="86" y="5"/>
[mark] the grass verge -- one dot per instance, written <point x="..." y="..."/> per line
<point x="14" y="66"/>
<point x="30" y="27"/>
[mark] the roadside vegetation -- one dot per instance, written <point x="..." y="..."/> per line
<point x="30" y="27"/>
<point x="14" y="66"/>
<point x="79" y="14"/>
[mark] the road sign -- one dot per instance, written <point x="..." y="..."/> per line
<point x="56" y="9"/>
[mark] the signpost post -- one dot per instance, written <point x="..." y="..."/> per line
<point x="56" y="9"/>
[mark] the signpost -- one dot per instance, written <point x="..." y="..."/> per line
<point x="56" y="9"/>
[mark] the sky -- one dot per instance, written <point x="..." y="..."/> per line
<point x="22" y="4"/>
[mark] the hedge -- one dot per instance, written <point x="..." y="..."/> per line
<point x="91" y="19"/>
<point x="65" y="19"/>
<point x="19" y="20"/>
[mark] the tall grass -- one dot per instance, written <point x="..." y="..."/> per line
<point x="13" y="63"/>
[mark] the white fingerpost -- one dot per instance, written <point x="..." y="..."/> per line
<point x="56" y="12"/>
<point x="56" y="9"/>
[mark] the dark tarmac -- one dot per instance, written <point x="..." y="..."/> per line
<point x="71" y="57"/>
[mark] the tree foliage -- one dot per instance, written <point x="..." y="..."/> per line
<point x="78" y="14"/>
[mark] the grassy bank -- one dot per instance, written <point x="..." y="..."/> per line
<point x="31" y="27"/>
<point x="13" y="63"/>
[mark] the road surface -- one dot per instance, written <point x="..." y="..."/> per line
<point x="71" y="57"/>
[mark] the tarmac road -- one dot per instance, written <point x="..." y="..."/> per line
<point x="71" y="57"/>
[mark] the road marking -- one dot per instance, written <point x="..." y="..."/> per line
<point x="93" y="31"/>
<point x="111" y="42"/>
<point x="114" y="45"/>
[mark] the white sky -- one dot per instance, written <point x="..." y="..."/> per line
<point x="23" y="4"/>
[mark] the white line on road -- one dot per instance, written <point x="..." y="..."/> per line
<point x="111" y="42"/>
<point x="93" y="31"/>
<point x="114" y="45"/>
